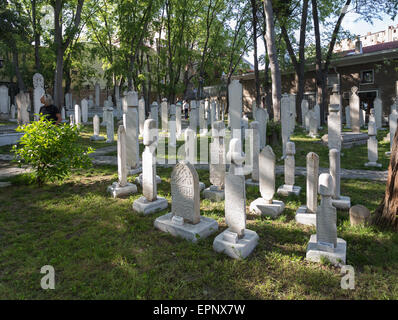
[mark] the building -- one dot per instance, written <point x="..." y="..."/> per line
<point x="372" y="67"/>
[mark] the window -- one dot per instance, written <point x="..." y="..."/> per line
<point x="367" y="77"/>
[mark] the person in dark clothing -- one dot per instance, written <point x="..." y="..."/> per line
<point x="50" y="110"/>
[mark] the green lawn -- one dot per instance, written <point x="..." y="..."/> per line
<point x="102" y="249"/>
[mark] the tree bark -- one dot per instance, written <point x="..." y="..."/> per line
<point x="273" y="57"/>
<point x="386" y="214"/>
<point x="256" y="72"/>
<point x="15" y="60"/>
<point x="36" y="36"/>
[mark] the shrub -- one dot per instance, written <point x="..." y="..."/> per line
<point x="52" y="151"/>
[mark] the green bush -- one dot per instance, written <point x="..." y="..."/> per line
<point x="52" y="151"/>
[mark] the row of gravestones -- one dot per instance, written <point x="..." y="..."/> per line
<point x="185" y="220"/>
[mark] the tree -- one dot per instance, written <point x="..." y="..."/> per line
<point x="273" y="57"/>
<point x="386" y="215"/>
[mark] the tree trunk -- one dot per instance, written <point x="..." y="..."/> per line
<point x="273" y="58"/>
<point x="21" y="83"/>
<point x="256" y="73"/>
<point x="36" y="36"/>
<point x="386" y="214"/>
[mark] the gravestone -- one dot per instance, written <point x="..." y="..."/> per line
<point x="110" y="131"/>
<point x="96" y="126"/>
<point x="149" y="202"/>
<point x="97" y="94"/>
<point x="68" y="101"/>
<point x="63" y="114"/>
<point x="347" y="117"/>
<point x="355" y="110"/>
<point x="325" y="242"/>
<point x="334" y="127"/>
<point x="237" y="241"/>
<point x="164" y="114"/>
<point x="141" y="115"/>
<point x="392" y="119"/>
<point x="193" y="120"/>
<point x="190" y="146"/>
<point x="172" y="131"/>
<point x="22" y="101"/>
<point x="255" y="151"/>
<point x="254" y="110"/>
<point x="202" y="119"/>
<point x="78" y="115"/>
<point x="289" y="188"/>
<point x="90" y="102"/>
<point x="378" y="107"/>
<point x="133" y="160"/>
<point x="72" y="120"/>
<point x="307" y="214"/>
<point x="178" y="119"/>
<point x="339" y="201"/>
<point x="38" y="92"/>
<point x="13" y="111"/>
<point x="313" y="125"/>
<point x="235" y="92"/>
<point x="84" y="105"/>
<point x="372" y="146"/>
<point x="304" y="109"/>
<point x="265" y="205"/>
<point x="3" y="101"/>
<point x="155" y="113"/>
<point x="184" y="220"/>
<point x="122" y="187"/>
<point x="217" y="164"/>
<point x="317" y="111"/>
<point x="292" y="120"/>
<point x="262" y="119"/>
<point x="286" y="117"/>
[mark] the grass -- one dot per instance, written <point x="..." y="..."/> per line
<point x="102" y="249"/>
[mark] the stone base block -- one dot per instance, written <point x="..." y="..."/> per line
<point x="305" y="217"/>
<point x="261" y="207"/>
<point x="373" y="164"/>
<point x="335" y="256"/>
<point x="191" y="232"/>
<point x="344" y="203"/>
<point x="142" y="205"/>
<point x="286" y="190"/>
<point x="97" y="138"/>
<point x="214" y="194"/>
<point x="132" y="172"/>
<point x="250" y="182"/>
<point x="117" y="191"/>
<point x="349" y="139"/>
<point x="227" y="242"/>
<point x="138" y="180"/>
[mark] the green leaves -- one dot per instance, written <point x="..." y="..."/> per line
<point x="52" y="151"/>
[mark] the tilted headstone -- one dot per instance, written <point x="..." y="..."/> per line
<point x="38" y="92"/>
<point x="122" y="187"/>
<point x="22" y="101"/>
<point x="97" y="94"/>
<point x="285" y="121"/>
<point x="3" y="100"/>
<point x="325" y="242"/>
<point x="110" y="131"/>
<point x="155" y="113"/>
<point x="237" y="241"/>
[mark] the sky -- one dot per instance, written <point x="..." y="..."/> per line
<point x="349" y="23"/>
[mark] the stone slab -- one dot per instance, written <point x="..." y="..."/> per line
<point x="239" y="249"/>
<point x="250" y="182"/>
<point x="304" y="217"/>
<point x="344" y="203"/>
<point x="261" y="207"/>
<point x="97" y="138"/>
<point x="338" y="256"/>
<point x="214" y="194"/>
<point x="4" y="184"/>
<point x="116" y="191"/>
<point x="286" y="190"/>
<point x="373" y="164"/>
<point x="132" y="172"/>
<point x="191" y="232"/>
<point x="138" y="180"/>
<point x="142" y="205"/>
